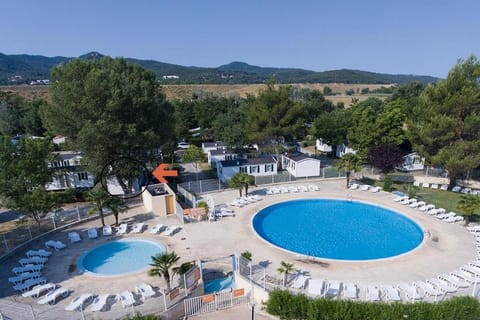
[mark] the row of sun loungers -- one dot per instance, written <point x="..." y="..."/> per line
<point x="429" y="209"/>
<point x="365" y="187"/>
<point x="240" y="202"/>
<point x="291" y="189"/>
<point x="444" y="187"/>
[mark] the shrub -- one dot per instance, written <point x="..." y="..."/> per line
<point x="387" y="184"/>
<point x="286" y="306"/>
<point x="247" y="255"/>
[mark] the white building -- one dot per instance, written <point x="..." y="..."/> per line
<point x="69" y="172"/>
<point x="343" y="149"/>
<point x="218" y="145"/>
<point x="300" y="165"/>
<point x="412" y="162"/>
<point x="215" y="156"/>
<point x="254" y="167"/>
<point x="323" y="147"/>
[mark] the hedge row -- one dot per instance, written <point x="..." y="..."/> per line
<point x="288" y="306"/>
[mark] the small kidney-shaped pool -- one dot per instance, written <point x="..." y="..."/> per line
<point x="119" y="257"/>
<point x="337" y="229"/>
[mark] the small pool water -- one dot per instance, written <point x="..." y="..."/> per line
<point x="218" y="284"/>
<point x="119" y="257"/>
<point x="337" y="229"/>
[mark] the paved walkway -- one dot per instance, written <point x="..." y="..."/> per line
<point x="448" y="247"/>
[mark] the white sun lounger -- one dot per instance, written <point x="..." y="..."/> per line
<point x="145" y="290"/>
<point x="39" y="289"/>
<point x="376" y="189"/>
<point x="126" y="298"/>
<point x="107" y="231"/>
<point x="444" y="187"/>
<point x="400" y="198"/>
<point x="27" y="268"/>
<point x="427" y="288"/>
<point x="269" y="191"/>
<point x="333" y="288"/>
<point x="364" y="187"/>
<point x="92" y="233"/>
<point x="34" y="260"/>
<point x="475" y="228"/>
<point x="74" y="237"/>
<point x="51" y="297"/>
<point x="25" y="286"/>
<point x="54" y="244"/>
<point x="416" y="183"/>
<point x="78" y="302"/>
<point x="434" y="186"/>
<point x="456" y="189"/>
<point x="455" y="281"/>
<point x="350" y="291"/>
<point x="100" y="302"/>
<point x="138" y="227"/>
<point x="410" y="291"/>
<point x="467" y="276"/>
<point x="157" y="228"/>
<point x="391" y="293"/>
<point x="224" y="212"/>
<point x="303" y="188"/>
<point x="427" y="207"/>
<point x="454" y="219"/>
<point x="39" y="253"/>
<point x="354" y="186"/>
<point x="171" y="230"/>
<point x="446" y="215"/>
<point x="372" y="293"/>
<point x="442" y="285"/>
<point x="24" y="276"/>
<point x="122" y="229"/>
<point x="425" y="185"/>
<point x="315" y="287"/>
<point x="300" y="281"/>
<point x="313" y="187"/>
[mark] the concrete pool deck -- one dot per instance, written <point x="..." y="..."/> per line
<point x="454" y="247"/>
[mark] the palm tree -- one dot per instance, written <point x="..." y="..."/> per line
<point x="468" y="204"/>
<point x="116" y="206"/>
<point x="349" y="162"/>
<point x="99" y="197"/>
<point x="161" y="266"/>
<point x="236" y="182"/>
<point x="247" y="180"/>
<point x="286" y="268"/>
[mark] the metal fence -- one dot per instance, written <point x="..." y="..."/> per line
<point x="215" y="302"/>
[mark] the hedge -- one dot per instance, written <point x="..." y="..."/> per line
<point x="288" y="306"/>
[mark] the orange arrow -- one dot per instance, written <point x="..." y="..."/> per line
<point x="160" y="173"/>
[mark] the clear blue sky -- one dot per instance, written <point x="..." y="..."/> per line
<point x="408" y="36"/>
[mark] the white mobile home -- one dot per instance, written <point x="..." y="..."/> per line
<point x="300" y="165"/>
<point x="412" y="162"/>
<point x="69" y="172"/>
<point x="255" y="167"/>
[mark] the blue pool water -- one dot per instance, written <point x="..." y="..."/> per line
<point x="337" y="229"/>
<point x="119" y="257"/>
<point x="218" y="284"/>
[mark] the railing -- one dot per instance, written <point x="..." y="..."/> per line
<point x="215" y="302"/>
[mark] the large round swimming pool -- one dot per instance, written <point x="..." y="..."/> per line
<point x="119" y="257"/>
<point x="337" y="229"/>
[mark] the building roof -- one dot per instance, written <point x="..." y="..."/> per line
<point x="217" y="152"/>
<point x="213" y="144"/>
<point x="67" y="155"/>
<point x="298" y="156"/>
<point x="244" y="162"/>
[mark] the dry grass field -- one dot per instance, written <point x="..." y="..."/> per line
<point x="230" y="90"/>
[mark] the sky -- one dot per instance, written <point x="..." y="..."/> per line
<point x="423" y="37"/>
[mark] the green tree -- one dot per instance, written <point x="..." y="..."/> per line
<point x="285" y="268"/>
<point x="332" y="126"/>
<point x="444" y="126"/>
<point x="116" y="205"/>
<point x="195" y="156"/>
<point x="30" y="117"/>
<point x="101" y="199"/>
<point x="348" y="163"/>
<point x="327" y="91"/>
<point x="229" y="127"/>
<point x="110" y="109"/>
<point x="162" y="263"/>
<point x="240" y="181"/>
<point x="467" y="204"/>
<point x="273" y="115"/>
<point x="9" y="119"/>
<point x="24" y="172"/>
<point x="385" y="157"/>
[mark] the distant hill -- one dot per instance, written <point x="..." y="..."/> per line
<point x="27" y="69"/>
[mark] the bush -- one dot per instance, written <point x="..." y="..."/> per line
<point x="387" y="184"/>
<point x="286" y="305"/>
<point x="247" y="255"/>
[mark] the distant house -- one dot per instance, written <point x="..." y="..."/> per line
<point x="412" y="162"/>
<point x="59" y="139"/>
<point x="69" y="172"/>
<point x="300" y="165"/>
<point x="207" y="146"/>
<point x="170" y="76"/>
<point x="255" y="167"/>
<point x="215" y="156"/>
<point x="323" y="147"/>
<point x="343" y="149"/>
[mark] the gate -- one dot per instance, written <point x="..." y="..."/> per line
<point x="215" y="301"/>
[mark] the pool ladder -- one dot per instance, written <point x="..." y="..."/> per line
<point x="349" y="197"/>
